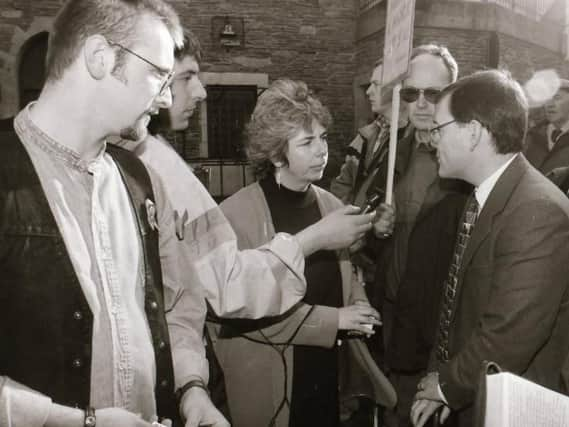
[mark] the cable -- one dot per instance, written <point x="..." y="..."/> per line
<point x="281" y="352"/>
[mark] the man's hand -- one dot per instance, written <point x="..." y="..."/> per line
<point x="336" y="230"/>
<point x="384" y="221"/>
<point x="424" y="409"/>
<point x="356" y="317"/>
<point x="198" y="410"/>
<point x="428" y="388"/>
<point x="64" y="416"/>
<point x="427" y="400"/>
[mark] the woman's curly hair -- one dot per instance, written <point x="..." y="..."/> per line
<point x="284" y="108"/>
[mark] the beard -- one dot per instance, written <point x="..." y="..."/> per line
<point x="138" y="131"/>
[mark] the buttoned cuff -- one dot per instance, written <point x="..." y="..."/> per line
<point x="22" y="406"/>
<point x="289" y="251"/>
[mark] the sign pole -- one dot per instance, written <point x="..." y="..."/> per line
<point x="394" y="127"/>
<point x="399" y="24"/>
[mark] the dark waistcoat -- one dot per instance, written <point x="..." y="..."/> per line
<point x="45" y="321"/>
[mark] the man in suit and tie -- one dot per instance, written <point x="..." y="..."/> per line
<point x="547" y="144"/>
<point x="506" y="297"/>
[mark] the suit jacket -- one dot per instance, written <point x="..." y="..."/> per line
<point x="512" y="301"/>
<point x="537" y="150"/>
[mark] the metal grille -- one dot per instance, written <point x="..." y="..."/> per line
<point x="228" y="110"/>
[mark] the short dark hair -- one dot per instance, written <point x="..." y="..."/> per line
<point x="114" y="19"/>
<point x="282" y="110"/>
<point x="191" y="47"/>
<point x="441" y="52"/>
<point x="495" y="100"/>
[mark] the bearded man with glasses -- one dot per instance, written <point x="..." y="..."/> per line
<point x="88" y="277"/>
<point x="407" y="310"/>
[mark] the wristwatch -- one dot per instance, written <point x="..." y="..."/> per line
<point x="90" y="418"/>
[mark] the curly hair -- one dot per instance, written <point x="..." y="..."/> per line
<point x="284" y="108"/>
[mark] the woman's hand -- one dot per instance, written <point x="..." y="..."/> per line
<point x="337" y="230"/>
<point x="384" y="221"/>
<point x="357" y="317"/>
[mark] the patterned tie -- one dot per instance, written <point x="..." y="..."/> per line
<point x="468" y="219"/>
<point x="555" y="134"/>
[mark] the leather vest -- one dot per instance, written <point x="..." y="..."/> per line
<point x="45" y="321"/>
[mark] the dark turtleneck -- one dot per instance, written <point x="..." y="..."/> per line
<point x="315" y="373"/>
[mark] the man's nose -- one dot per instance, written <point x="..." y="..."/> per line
<point x="164" y="99"/>
<point x="421" y="100"/>
<point x="200" y="93"/>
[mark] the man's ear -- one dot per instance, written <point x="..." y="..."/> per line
<point x="99" y="57"/>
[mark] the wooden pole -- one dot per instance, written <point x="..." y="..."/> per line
<point x="392" y="144"/>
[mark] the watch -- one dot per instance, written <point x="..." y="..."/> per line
<point x="90" y="418"/>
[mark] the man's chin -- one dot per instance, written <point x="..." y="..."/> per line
<point x="135" y="133"/>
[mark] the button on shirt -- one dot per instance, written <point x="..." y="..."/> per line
<point x="92" y="209"/>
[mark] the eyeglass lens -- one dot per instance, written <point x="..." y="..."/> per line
<point x="411" y="94"/>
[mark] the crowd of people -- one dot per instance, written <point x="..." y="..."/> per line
<point x="130" y="298"/>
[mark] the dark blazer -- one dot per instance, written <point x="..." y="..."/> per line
<point x="512" y="302"/>
<point x="538" y="154"/>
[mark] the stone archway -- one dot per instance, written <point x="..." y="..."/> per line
<point x="10" y="62"/>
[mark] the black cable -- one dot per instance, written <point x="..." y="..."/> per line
<point x="281" y="352"/>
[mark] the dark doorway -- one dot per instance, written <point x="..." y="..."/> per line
<point x="31" y="75"/>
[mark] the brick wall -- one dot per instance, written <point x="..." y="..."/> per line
<point x="310" y="40"/>
<point x="306" y="40"/>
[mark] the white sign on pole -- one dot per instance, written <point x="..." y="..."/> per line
<point x="396" y="53"/>
<point x="398" y="39"/>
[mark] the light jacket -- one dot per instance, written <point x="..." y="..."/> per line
<point x="254" y="377"/>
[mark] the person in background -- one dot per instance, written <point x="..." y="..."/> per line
<point x="364" y="174"/>
<point x="417" y="192"/>
<point x="284" y="371"/>
<point x="547" y="144"/>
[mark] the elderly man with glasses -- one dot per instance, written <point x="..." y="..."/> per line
<point x="418" y="191"/>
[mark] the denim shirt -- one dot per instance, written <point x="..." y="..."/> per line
<point x="94" y="215"/>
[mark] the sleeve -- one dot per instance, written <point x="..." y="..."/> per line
<point x="528" y="279"/>
<point x="21" y="406"/>
<point x="315" y="325"/>
<point x="183" y="299"/>
<point x="250" y="283"/>
<point x="342" y="185"/>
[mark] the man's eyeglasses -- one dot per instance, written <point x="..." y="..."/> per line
<point x="167" y="79"/>
<point x="436" y="131"/>
<point x="411" y="94"/>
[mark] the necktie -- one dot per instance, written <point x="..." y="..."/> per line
<point x="555" y="134"/>
<point x="467" y="225"/>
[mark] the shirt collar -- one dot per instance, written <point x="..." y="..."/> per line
<point x="482" y="192"/>
<point x="550" y="128"/>
<point x="28" y="130"/>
